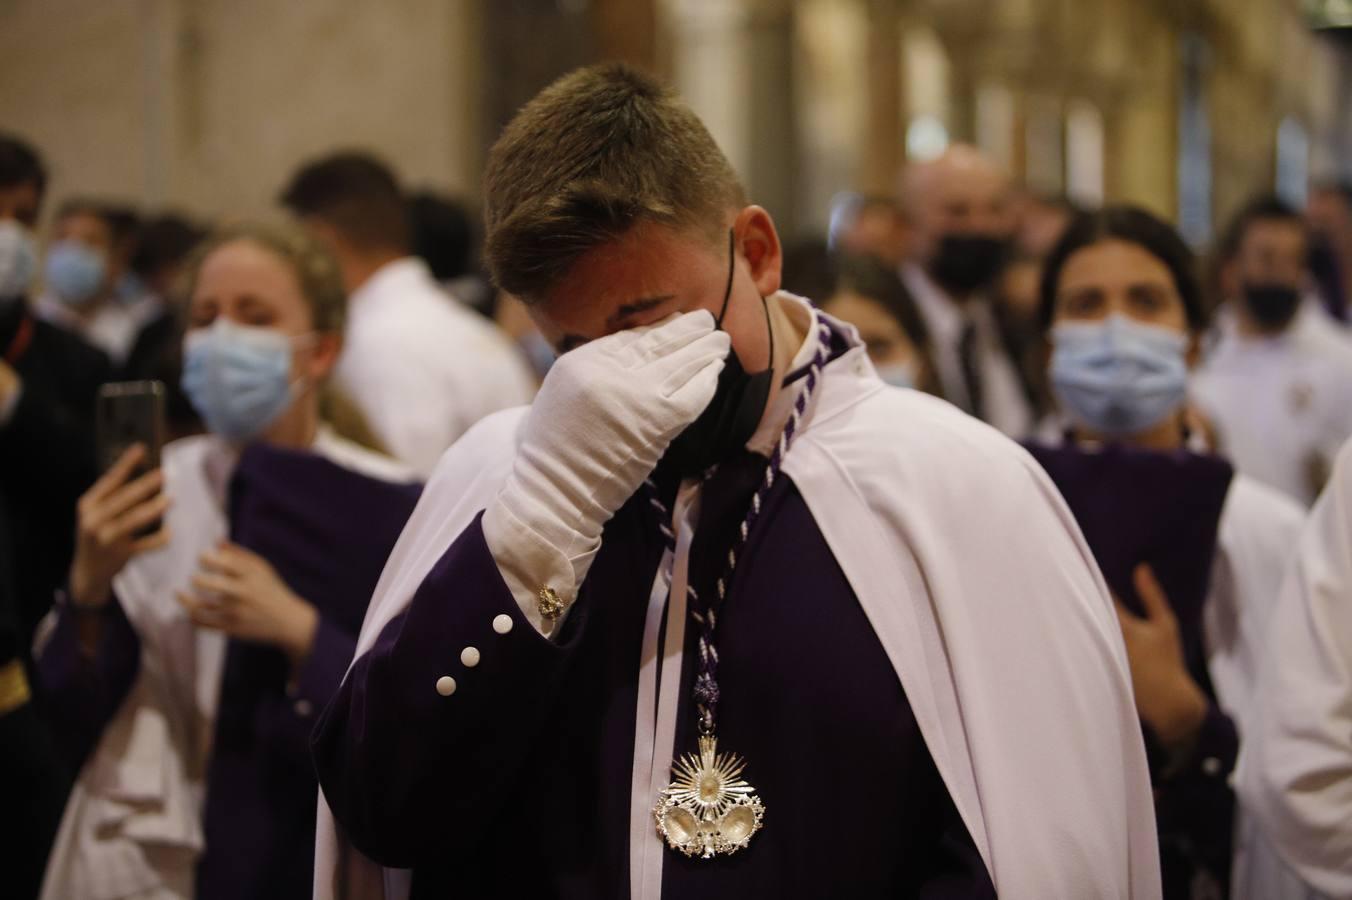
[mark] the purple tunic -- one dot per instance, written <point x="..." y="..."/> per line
<point x="327" y="531"/>
<point x="518" y="784"/>
<point x="1139" y="506"/>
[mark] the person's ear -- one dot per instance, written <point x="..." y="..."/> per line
<point x="758" y="243"/>
<point x="324" y="355"/>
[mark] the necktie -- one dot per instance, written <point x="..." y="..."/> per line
<point x="971" y="370"/>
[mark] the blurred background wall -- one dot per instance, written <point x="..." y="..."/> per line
<point x="1185" y="106"/>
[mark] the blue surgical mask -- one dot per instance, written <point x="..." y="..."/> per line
<point x="75" y="272"/>
<point x="1118" y="377"/>
<point x="18" y="258"/>
<point x="237" y="377"/>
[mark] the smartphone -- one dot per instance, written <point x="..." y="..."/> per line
<point x="131" y="412"/>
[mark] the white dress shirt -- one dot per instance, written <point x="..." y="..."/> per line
<point x="1004" y="404"/>
<point x="114" y="326"/>
<point x="421" y="367"/>
<point x="1281" y="406"/>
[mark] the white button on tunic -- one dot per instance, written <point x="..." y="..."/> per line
<point x="502" y="624"/>
<point x="445" y="685"/>
<point x="469" y="657"/>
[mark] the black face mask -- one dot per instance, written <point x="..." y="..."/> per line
<point x="1272" y="306"/>
<point x="730" y="419"/>
<point x="966" y="263"/>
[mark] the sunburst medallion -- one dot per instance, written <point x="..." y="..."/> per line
<point x="708" y="809"/>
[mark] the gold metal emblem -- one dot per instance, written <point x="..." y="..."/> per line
<point x="549" y="604"/>
<point x="708" y="809"/>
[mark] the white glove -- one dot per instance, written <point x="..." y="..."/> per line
<point x="604" y="416"/>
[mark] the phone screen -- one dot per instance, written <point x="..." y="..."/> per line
<point x="131" y="412"/>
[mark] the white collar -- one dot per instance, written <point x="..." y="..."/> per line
<point x="806" y="319"/>
<point x="408" y="273"/>
<point x="51" y="310"/>
<point x="221" y="456"/>
<point x="1225" y="327"/>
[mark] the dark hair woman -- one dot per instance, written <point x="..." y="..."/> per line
<point x="1193" y="552"/>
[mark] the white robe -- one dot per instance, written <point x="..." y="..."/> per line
<point x="1295" y="771"/>
<point x="1259" y="528"/>
<point x="133" y="825"/>
<point x="983" y="594"/>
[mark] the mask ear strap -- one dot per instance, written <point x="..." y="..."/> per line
<point x="732" y="268"/>
<point x="770" y="330"/>
<point x="727" y="296"/>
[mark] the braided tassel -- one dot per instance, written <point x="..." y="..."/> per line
<point x="706" y="691"/>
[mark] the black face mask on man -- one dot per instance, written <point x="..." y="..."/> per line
<point x="731" y="417"/>
<point x="1272" y="305"/>
<point x="966" y="263"/>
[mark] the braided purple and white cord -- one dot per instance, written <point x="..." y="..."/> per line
<point x="706" y="615"/>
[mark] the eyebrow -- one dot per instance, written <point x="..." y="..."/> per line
<point x="638" y="306"/>
<point x="573" y="341"/>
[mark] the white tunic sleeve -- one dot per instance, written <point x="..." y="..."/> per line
<point x="1259" y="529"/>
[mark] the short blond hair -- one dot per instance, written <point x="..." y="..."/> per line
<point x="321" y="283"/>
<point x="594" y="154"/>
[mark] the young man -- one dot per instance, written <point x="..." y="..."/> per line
<point x="419" y="366"/>
<point x="962" y="228"/>
<point x="721" y="615"/>
<point x="1277" y="383"/>
<point x="87" y="262"/>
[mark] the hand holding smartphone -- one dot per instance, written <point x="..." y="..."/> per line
<point x="122" y="515"/>
<point x="131" y="413"/>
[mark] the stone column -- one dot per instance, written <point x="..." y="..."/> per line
<point x="626" y="30"/>
<point x="732" y="60"/>
<point x="711" y="68"/>
<point x="772" y="178"/>
<point x="884" y="148"/>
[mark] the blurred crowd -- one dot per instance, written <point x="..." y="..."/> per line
<point x="1190" y="404"/>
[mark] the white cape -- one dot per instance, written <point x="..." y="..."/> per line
<point x="1295" y="770"/>
<point x="983" y="594"/>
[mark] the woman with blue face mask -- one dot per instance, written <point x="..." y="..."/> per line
<point x="213" y="603"/>
<point x="1194" y="553"/>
